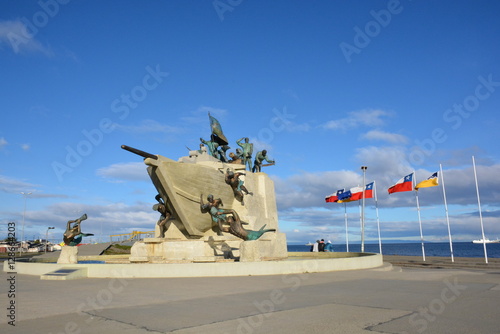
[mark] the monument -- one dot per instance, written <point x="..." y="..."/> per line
<point x="240" y="224"/>
<point x="72" y="237"/>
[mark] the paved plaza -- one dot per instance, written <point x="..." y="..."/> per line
<point x="383" y="300"/>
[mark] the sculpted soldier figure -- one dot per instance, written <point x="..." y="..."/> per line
<point x="222" y="153"/>
<point x="233" y="179"/>
<point x="261" y="156"/>
<point x="212" y="207"/>
<point x="232" y="218"/>
<point x="247" y="152"/>
<point x="165" y="215"/>
<point x="73" y="234"/>
<point x="212" y="146"/>
<point x="234" y="159"/>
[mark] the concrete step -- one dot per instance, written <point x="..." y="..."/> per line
<point x="65" y="274"/>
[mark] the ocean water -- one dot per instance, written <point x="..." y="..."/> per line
<point x="460" y="249"/>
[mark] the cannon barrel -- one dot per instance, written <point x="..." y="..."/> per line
<point x="139" y="152"/>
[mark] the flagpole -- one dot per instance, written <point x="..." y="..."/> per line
<point x="446" y="210"/>
<point x="363" y="168"/>
<point x="480" y="213"/>
<point x="346" y="234"/>
<point x="419" y="219"/>
<point x="361" y="227"/>
<point x="378" y="220"/>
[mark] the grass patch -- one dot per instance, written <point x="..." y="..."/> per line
<point x="117" y="249"/>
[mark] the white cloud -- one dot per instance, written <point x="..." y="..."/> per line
<point x="393" y="138"/>
<point x="354" y="119"/>
<point x="130" y="171"/>
<point x="149" y="126"/>
<point x="15" y="35"/>
<point x="11" y="185"/>
<point x="306" y="190"/>
<point x="114" y="218"/>
<point x="14" y="186"/>
<point x="25" y="147"/>
<point x="197" y="117"/>
<point x="3" y="142"/>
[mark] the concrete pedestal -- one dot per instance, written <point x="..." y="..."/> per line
<point x="69" y="255"/>
<point x="209" y="249"/>
<point x="265" y="249"/>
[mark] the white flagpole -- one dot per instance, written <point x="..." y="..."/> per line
<point x="361" y="227"/>
<point x="419" y="219"/>
<point x="480" y="213"/>
<point x="446" y="210"/>
<point x="346" y="234"/>
<point x="378" y="220"/>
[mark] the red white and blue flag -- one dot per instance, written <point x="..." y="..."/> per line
<point x="369" y="190"/>
<point x="404" y="184"/>
<point x="357" y="192"/>
<point x="334" y="197"/>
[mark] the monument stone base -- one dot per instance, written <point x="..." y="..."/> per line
<point x="209" y="249"/>
<point x="69" y="255"/>
<point x="264" y="250"/>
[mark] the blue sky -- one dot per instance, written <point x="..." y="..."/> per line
<point x="324" y="86"/>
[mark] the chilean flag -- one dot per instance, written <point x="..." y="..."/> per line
<point x="357" y="192"/>
<point x="334" y="198"/>
<point x="369" y="190"/>
<point x="404" y="184"/>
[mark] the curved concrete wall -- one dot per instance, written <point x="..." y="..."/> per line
<point x="294" y="265"/>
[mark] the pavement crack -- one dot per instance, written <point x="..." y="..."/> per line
<point x="371" y="328"/>
<point x="121" y="322"/>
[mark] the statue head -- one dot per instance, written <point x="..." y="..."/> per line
<point x="264" y="152"/>
<point x="246" y="139"/>
<point x="210" y="198"/>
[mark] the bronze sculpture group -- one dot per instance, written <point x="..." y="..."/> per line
<point x="217" y="147"/>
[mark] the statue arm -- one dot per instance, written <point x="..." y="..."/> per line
<point x="240" y="144"/>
